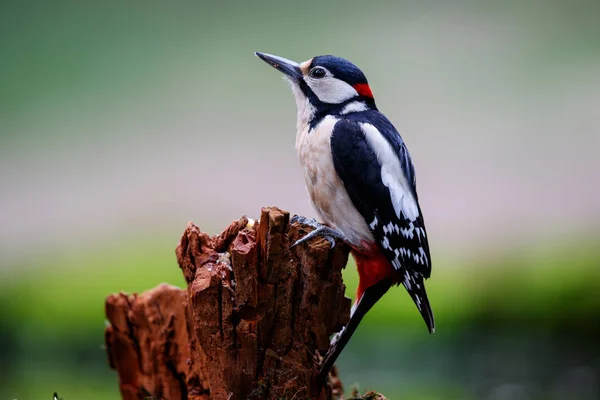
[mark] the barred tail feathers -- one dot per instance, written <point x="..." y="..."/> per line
<point x="414" y="285"/>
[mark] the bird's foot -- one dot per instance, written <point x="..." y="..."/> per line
<point x="320" y="230"/>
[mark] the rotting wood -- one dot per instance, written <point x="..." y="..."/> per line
<point x="250" y="324"/>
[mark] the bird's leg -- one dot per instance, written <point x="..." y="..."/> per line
<point x="361" y="307"/>
<point x="320" y="231"/>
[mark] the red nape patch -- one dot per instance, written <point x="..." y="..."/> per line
<point x="363" y="89"/>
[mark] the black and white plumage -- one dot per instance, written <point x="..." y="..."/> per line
<point x="372" y="161"/>
<point x="361" y="181"/>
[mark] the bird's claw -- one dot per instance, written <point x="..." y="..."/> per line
<point x="320" y="230"/>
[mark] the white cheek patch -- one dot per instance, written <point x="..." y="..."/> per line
<point x="331" y="90"/>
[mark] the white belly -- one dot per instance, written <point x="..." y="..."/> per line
<point x="327" y="192"/>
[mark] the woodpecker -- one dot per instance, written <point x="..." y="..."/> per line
<point x="361" y="181"/>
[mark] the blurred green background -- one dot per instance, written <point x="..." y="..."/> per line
<point x="121" y="121"/>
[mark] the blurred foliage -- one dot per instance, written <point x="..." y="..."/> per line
<point x="535" y="289"/>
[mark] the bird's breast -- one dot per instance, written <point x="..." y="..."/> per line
<point x="327" y="192"/>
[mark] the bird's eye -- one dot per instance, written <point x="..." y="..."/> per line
<point x="317" y="73"/>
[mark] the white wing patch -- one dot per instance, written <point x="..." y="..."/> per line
<point x="392" y="175"/>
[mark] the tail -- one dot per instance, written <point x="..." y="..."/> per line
<point x="370" y="296"/>
<point x="416" y="289"/>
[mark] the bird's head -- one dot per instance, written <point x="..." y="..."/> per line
<point x="324" y="85"/>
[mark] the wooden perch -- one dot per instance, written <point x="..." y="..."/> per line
<point x="250" y="324"/>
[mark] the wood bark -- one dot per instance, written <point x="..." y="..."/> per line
<point x="251" y="323"/>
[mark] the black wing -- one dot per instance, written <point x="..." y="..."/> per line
<point x="388" y="204"/>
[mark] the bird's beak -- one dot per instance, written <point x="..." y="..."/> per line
<point x="290" y="68"/>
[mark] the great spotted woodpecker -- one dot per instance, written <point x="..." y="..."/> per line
<point x="361" y="181"/>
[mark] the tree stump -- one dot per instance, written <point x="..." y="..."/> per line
<point x="250" y="325"/>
